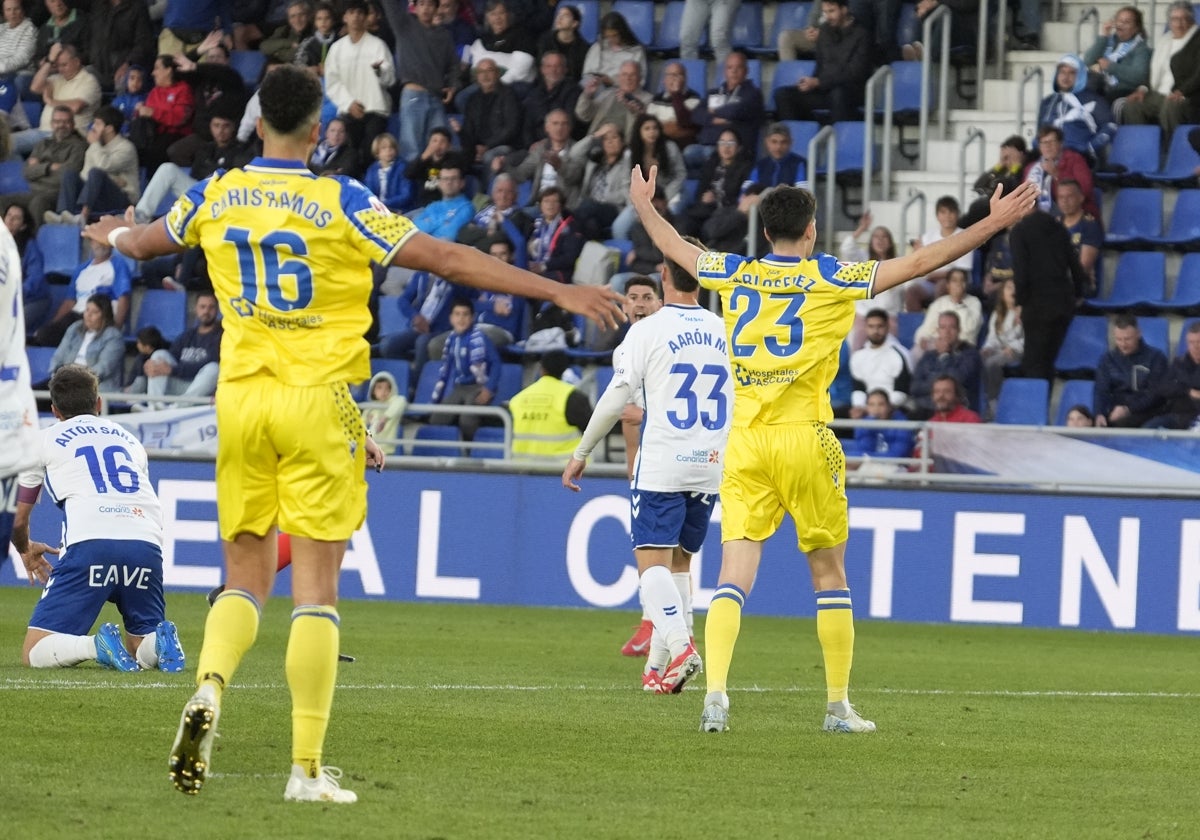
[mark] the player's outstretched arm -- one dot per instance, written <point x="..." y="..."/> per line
<point x="665" y="237"/>
<point x="1005" y="212"/>
<point x="141" y="242"/>
<point x="472" y="267"/>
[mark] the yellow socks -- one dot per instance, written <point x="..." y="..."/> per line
<point x="835" y="631"/>
<point x="229" y="632"/>
<point x="312" y="658"/>
<point x="721" y="630"/>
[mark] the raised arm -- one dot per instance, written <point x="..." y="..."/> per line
<point x="1005" y="212"/>
<point x="665" y="237"/>
<point x="474" y="268"/>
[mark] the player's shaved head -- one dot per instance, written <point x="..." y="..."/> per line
<point x="291" y="99"/>
<point x="786" y="213"/>
<point x="73" y="391"/>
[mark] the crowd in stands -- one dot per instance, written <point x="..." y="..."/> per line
<point x="497" y="123"/>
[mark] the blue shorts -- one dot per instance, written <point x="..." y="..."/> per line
<point x="127" y="572"/>
<point x="666" y="520"/>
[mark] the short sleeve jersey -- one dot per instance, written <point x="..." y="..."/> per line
<point x="786" y="319"/>
<point x="676" y="362"/>
<point x="98" y="474"/>
<point x="289" y="254"/>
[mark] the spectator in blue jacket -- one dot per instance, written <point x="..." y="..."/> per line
<point x="882" y="442"/>
<point x="425" y="302"/>
<point x="1130" y="378"/>
<point x="470" y="372"/>
<point x="736" y="103"/>
<point x="35" y="294"/>
<point x="386" y="176"/>
<point x="1084" y="116"/>
<point x="950" y="356"/>
<point x="445" y="217"/>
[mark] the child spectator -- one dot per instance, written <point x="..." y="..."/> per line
<point x="882" y="442"/>
<point x="135" y="94"/>
<point x="470" y="371"/>
<point x="383" y="422"/>
<point x="149" y="341"/>
<point x="385" y="177"/>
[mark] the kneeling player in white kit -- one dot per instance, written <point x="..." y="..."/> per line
<point x="96" y="472"/>
<point x="677" y="360"/>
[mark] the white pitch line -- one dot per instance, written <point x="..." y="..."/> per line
<point x="72" y="685"/>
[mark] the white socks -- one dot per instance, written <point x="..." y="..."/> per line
<point x="660" y="599"/>
<point x="59" y="650"/>
<point x="147" y="655"/>
<point x="683" y="583"/>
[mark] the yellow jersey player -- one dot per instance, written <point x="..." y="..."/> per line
<point x="289" y="254"/>
<point x="786" y="316"/>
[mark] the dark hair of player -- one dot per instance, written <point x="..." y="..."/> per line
<point x="643" y="280"/>
<point x="681" y="278"/>
<point x="786" y="213"/>
<point x="291" y="99"/>
<point x="73" y="391"/>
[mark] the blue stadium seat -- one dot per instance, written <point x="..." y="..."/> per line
<point x="33" y="111"/>
<point x="400" y="371"/>
<point x="907" y="324"/>
<point x="1156" y="333"/>
<point x="9" y="93"/>
<point x="787" y="73"/>
<point x="1186" y="297"/>
<point x="906" y="104"/>
<point x="425" y="383"/>
<point x="1074" y="392"/>
<point x="1139" y="282"/>
<point x="589" y="13"/>
<point x="753" y="72"/>
<point x="440" y="442"/>
<point x="851" y="139"/>
<point x="604" y="375"/>
<point x="640" y="17"/>
<point x="60" y="249"/>
<point x="1182" y="160"/>
<point x="622" y="245"/>
<point x="11" y="179"/>
<point x="666" y="38"/>
<point x="1085" y="343"/>
<point x="1023" y="402"/>
<point x="249" y="64"/>
<point x="164" y="309"/>
<point x="1137" y="218"/>
<point x="1184" y="230"/>
<point x="512" y="380"/>
<point x="39" y="362"/>
<point x="747" y="31"/>
<point x="802" y="132"/>
<point x="488" y="434"/>
<point x="391" y="319"/>
<point x="1133" y="154"/>
<point x="787" y="16"/>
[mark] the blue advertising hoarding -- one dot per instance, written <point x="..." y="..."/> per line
<point x="914" y="555"/>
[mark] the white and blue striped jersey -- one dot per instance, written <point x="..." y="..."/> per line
<point x="676" y="363"/>
<point x="97" y="473"/>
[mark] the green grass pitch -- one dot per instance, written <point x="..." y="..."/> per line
<point x="488" y="722"/>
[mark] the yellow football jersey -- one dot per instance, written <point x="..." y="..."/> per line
<point x="289" y="255"/>
<point x="786" y="319"/>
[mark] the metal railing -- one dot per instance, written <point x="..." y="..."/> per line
<point x="973" y="135"/>
<point x="1032" y="72"/>
<point x="940" y="15"/>
<point x="828" y="138"/>
<point x="884" y="76"/>
<point x="1092" y="14"/>
<point x="915" y="196"/>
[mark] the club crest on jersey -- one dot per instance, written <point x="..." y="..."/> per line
<point x="714" y="457"/>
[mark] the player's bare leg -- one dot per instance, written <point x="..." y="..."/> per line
<point x="739" y="566"/>
<point x="835" y="631"/>
<point x="229" y="632"/>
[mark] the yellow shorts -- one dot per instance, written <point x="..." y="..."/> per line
<point x="772" y="470"/>
<point x="292" y="456"/>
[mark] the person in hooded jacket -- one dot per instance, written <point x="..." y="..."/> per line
<point x="384" y="422"/>
<point x="1083" y="116"/>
